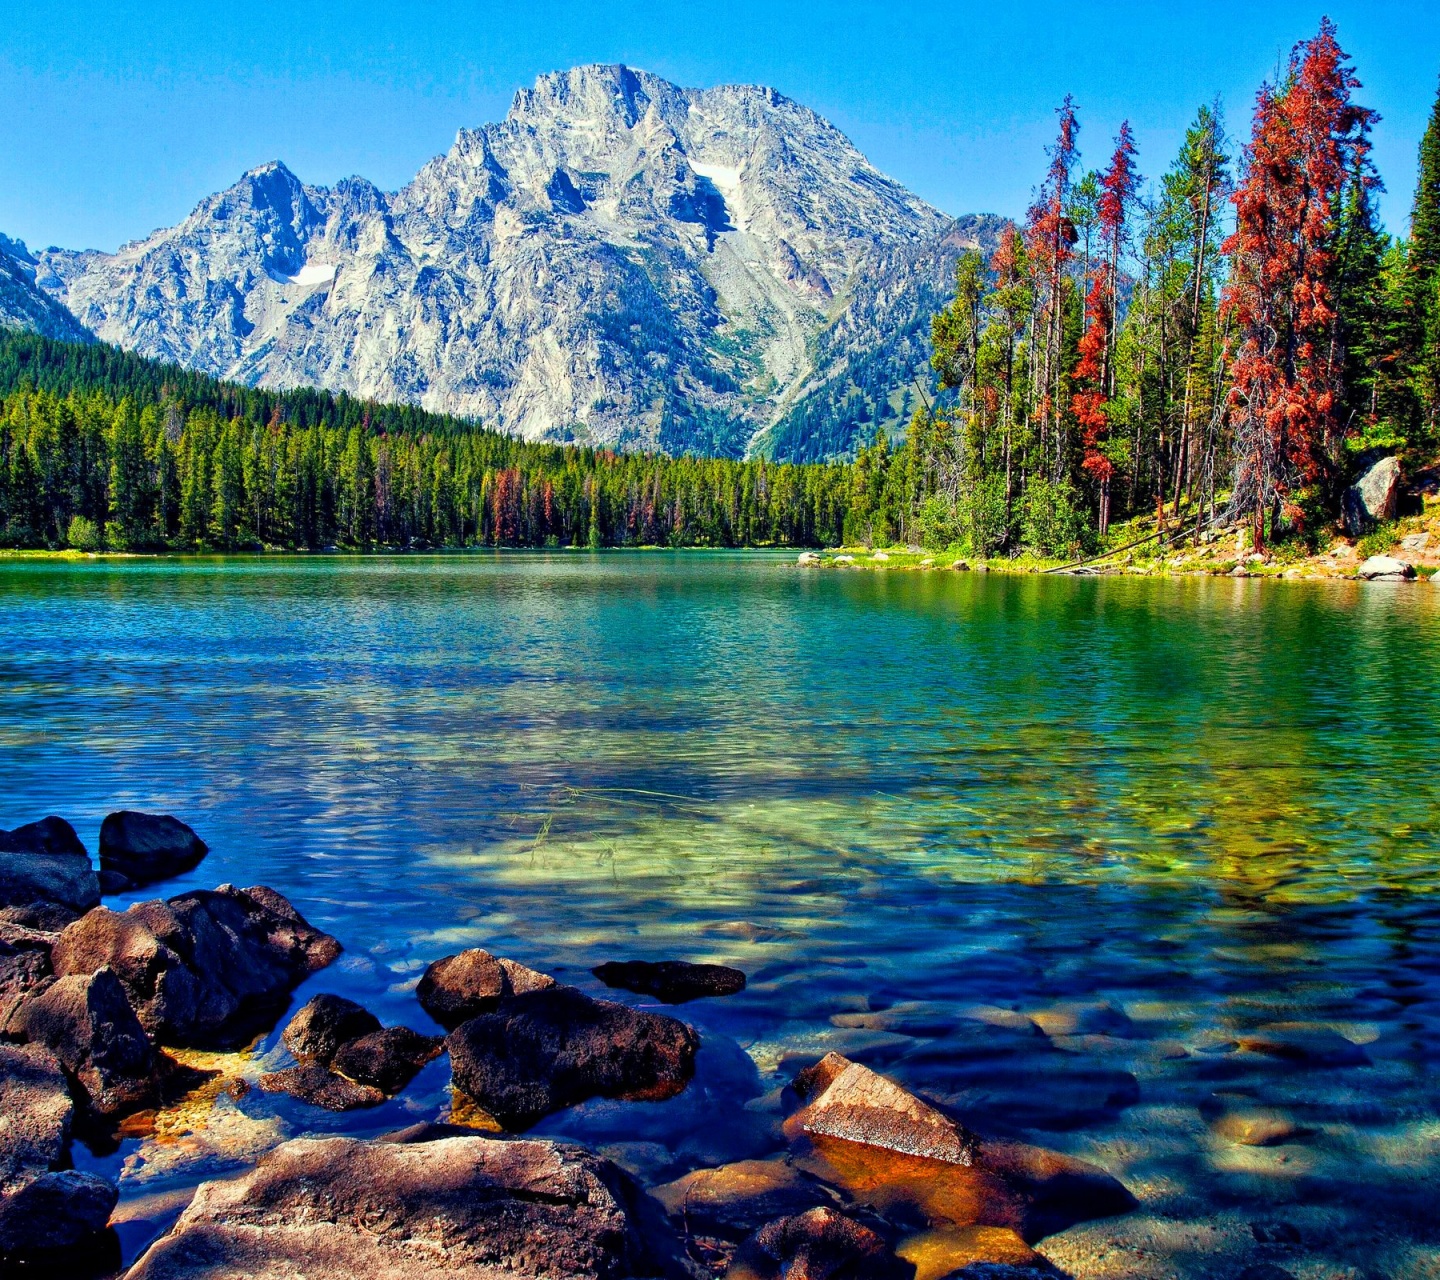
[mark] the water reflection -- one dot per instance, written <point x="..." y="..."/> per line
<point x="928" y="814"/>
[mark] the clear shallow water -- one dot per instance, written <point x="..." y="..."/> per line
<point x="897" y="801"/>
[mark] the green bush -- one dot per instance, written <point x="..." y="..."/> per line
<point x="82" y="534"/>
<point x="1052" y="522"/>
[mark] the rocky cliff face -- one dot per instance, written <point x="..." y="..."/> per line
<point x="619" y="260"/>
<point x="23" y="305"/>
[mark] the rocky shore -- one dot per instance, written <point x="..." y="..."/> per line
<point x="102" y="1012"/>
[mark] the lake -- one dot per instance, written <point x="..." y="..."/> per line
<point x="1156" y="815"/>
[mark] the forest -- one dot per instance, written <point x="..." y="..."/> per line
<point x="1231" y="347"/>
<point x="1231" y="344"/>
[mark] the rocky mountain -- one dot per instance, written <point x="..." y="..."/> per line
<point x="25" y="306"/>
<point x="619" y="260"/>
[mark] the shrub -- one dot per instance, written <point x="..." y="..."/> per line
<point x="82" y="534"/>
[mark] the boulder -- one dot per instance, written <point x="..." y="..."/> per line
<point x="547" y="1050"/>
<point x="338" y="1208"/>
<point x="1385" y="569"/>
<point x="1373" y="498"/>
<point x="44" y="862"/>
<point x="464" y="986"/>
<point x="44" y="1212"/>
<point x="323" y="1024"/>
<point x="387" y="1059"/>
<point x="738" y="1199"/>
<point x="143" y="847"/>
<point x="819" y="1244"/>
<point x="88" y="1024"/>
<point x="205" y="969"/>
<point x="896" y="1152"/>
<point x="24" y="972"/>
<point x="316" y="1084"/>
<point x="48" y="917"/>
<point x="671" y="981"/>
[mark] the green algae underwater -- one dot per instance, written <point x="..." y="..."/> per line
<point x="1143" y="870"/>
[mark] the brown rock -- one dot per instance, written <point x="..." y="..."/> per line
<point x="387" y="1059"/>
<point x="35" y="1112"/>
<point x="24" y="972"/>
<point x="550" y="1049"/>
<point x="318" y="1085"/>
<point x="339" y="1209"/>
<point x="1255" y="1127"/>
<point x="671" y="981"/>
<point x="738" y="1199"/>
<point x="323" y="1024"/>
<point x="820" y="1244"/>
<point x="88" y="1024"/>
<point x="463" y="986"/>
<point x="947" y="1251"/>
<point x="205" y="969"/>
<point x="142" y="848"/>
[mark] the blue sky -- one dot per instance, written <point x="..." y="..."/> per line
<point x="117" y="118"/>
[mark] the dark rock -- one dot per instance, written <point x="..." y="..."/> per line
<point x="206" y="968"/>
<point x="48" y="917"/>
<point x="44" y="862"/>
<point x="323" y="1024"/>
<point x="463" y="986"/>
<point x="112" y="882"/>
<point x="44" y="1212"/>
<point x="88" y="1024"/>
<point x="821" y="1244"/>
<point x="1305" y="1044"/>
<point x="318" y="1085"/>
<point x="24" y="972"/>
<point x="387" y="1059"/>
<point x="671" y="981"/>
<point x="144" y="847"/>
<point x="338" y="1209"/>
<point x="550" y="1049"/>
<point x="1265" y="1271"/>
<point x="738" y="1199"/>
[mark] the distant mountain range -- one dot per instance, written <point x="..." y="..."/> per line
<point x="619" y="261"/>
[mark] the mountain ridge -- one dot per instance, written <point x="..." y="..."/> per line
<point x="619" y="260"/>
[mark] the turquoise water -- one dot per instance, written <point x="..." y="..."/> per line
<point x="898" y="801"/>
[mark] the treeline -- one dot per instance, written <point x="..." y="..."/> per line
<point x="1244" y="335"/>
<point x="100" y="449"/>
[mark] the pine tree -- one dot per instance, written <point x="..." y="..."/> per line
<point x="1421" y="335"/>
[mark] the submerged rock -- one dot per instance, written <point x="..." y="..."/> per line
<point x="671" y="981"/>
<point x="819" y="1244"/>
<point x="1304" y="1043"/>
<point x="323" y="1024"/>
<point x="315" y="1083"/>
<point x="88" y="1024"/>
<point x="339" y="1209"/>
<point x="141" y="848"/>
<point x="387" y="1059"/>
<point x="463" y="986"/>
<point x="204" y="969"/>
<point x="44" y="1211"/>
<point x="550" y="1049"/>
<point x="44" y="862"/>
<point x="738" y="1199"/>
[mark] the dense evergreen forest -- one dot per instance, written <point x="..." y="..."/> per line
<point x="104" y="449"/>
<point x="1231" y="344"/>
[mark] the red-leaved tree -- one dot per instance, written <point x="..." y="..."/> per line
<point x="1285" y="395"/>
<point x="1094" y="375"/>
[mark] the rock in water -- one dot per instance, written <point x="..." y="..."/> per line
<point x="340" y="1209"/>
<point x="325" y="1023"/>
<point x="43" y="1211"/>
<point x="387" y="1059"/>
<point x="738" y="1199"/>
<point x="464" y="986"/>
<point x="1373" y="498"/>
<point x="144" y="847"/>
<point x="88" y="1024"/>
<point x="311" y="1082"/>
<point x="820" y="1244"/>
<point x="1385" y="569"/>
<point x="44" y="862"/>
<point x="204" y="969"/>
<point x="550" y="1049"/>
<point x="671" y="981"/>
